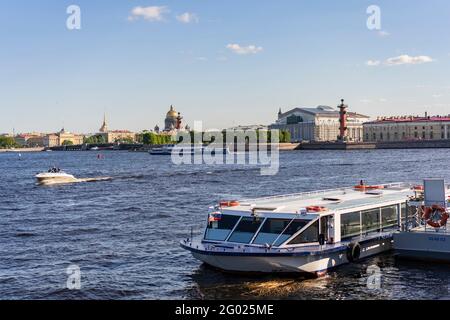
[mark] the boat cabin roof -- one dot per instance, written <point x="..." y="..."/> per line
<point x="334" y="200"/>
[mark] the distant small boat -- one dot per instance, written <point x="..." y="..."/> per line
<point x="95" y="149"/>
<point x="169" y="149"/>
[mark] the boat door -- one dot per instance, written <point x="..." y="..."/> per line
<point x="327" y="228"/>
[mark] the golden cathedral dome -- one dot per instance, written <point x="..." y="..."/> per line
<point x="172" y="113"/>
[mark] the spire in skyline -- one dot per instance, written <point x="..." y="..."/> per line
<point x="104" y="127"/>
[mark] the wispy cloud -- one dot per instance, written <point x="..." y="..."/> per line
<point x="188" y="17"/>
<point x="400" y="60"/>
<point x="153" y="13"/>
<point x="373" y="63"/>
<point x="238" y="49"/>
<point x="406" y="59"/>
<point x="383" y="33"/>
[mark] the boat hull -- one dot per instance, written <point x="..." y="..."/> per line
<point x="429" y="246"/>
<point x="298" y="262"/>
<point x="55" y="179"/>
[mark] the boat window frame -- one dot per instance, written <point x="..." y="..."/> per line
<point x="360" y="224"/>
<point x="397" y="208"/>
<point x="286" y="245"/>
<point x="220" y="241"/>
<point x="237" y="224"/>
<point x="369" y="231"/>
<point x="234" y="228"/>
<point x="279" y="234"/>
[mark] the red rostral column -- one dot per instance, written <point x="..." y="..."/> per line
<point x="343" y="121"/>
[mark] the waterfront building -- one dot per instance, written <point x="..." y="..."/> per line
<point x="321" y="124"/>
<point x="34" y="139"/>
<point x="173" y="120"/>
<point x="113" y="136"/>
<point x="119" y="135"/>
<point x="51" y="140"/>
<point x="173" y="123"/>
<point x="61" y="138"/>
<point x="407" y="128"/>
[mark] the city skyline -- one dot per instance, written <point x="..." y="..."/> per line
<point x="224" y="64"/>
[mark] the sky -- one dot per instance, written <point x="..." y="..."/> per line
<point x="223" y="62"/>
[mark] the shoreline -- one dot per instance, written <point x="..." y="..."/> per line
<point x="22" y="150"/>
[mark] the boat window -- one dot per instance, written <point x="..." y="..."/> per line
<point x="370" y="220"/>
<point x="310" y="235"/>
<point x="245" y="230"/>
<point x="403" y="209"/>
<point x="350" y="225"/>
<point x="272" y="229"/>
<point x="219" y="230"/>
<point x="389" y="216"/>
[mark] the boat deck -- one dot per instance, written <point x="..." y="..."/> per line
<point x="332" y="200"/>
<point x="432" y="231"/>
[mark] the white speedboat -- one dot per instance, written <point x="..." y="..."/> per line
<point x="302" y="233"/>
<point x="54" y="176"/>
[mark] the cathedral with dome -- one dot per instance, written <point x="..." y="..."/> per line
<point x="173" y="122"/>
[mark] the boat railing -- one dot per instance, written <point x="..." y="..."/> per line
<point x="325" y="191"/>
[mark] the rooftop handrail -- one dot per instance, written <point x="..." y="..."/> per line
<point x="310" y="193"/>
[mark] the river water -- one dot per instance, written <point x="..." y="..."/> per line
<point x="124" y="233"/>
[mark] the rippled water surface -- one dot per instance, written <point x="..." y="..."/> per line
<point x="124" y="233"/>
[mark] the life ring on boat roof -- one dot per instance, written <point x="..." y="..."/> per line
<point x="364" y="187"/>
<point x="232" y="203"/>
<point x="316" y="209"/>
<point x="353" y="251"/>
<point x="429" y="212"/>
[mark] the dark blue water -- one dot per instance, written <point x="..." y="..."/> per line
<point x="124" y="233"/>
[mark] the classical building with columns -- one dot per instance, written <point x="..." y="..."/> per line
<point x="321" y="124"/>
<point x="62" y="137"/>
<point x="407" y="128"/>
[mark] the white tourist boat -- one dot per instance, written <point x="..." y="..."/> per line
<point x="55" y="175"/>
<point x="307" y="232"/>
<point x="192" y="150"/>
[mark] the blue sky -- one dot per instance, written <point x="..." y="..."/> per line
<point x="223" y="62"/>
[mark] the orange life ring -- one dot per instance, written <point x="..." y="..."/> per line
<point x="418" y="188"/>
<point x="232" y="203"/>
<point x="316" y="209"/>
<point x="428" y="212"/>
